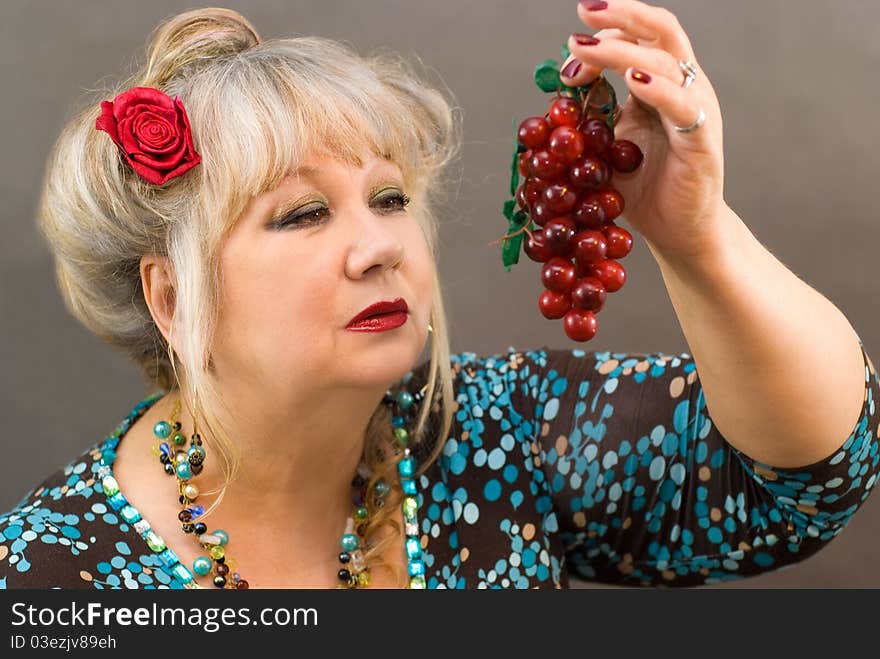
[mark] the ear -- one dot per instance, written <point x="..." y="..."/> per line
<point x="157" y="281"/>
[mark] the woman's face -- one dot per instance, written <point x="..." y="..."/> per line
<point x="302" y="261"/>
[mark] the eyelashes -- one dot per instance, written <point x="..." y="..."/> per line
<point x="389" y="203"/>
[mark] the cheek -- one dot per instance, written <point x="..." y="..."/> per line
<point x="272" y="313"/>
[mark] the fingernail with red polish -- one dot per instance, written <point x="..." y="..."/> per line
<point x="571" y="69"/>
<point x="585" y="39"/>
<point x="594" y="5"/>
<point x="641" y="76"/>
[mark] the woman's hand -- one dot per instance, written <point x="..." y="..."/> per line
<point x="676" y="198"/>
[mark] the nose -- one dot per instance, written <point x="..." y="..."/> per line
<point x="375" y="244"/>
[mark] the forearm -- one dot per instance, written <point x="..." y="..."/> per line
<point x="779" y="364"/>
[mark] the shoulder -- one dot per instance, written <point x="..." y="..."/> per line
<point x="45" y="526"/>
<point x="66" y="532"/>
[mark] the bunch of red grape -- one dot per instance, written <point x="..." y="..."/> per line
<point x="568" y="159"/>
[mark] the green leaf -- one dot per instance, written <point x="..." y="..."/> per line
<point x="511" y="246"/>
<point x="510" y="251"/>
<point x="547" y="75"/>
<point x="509" y="207"/>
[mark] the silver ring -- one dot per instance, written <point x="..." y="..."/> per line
<point x="689" y="70"/>
<point x="699" y="122"/>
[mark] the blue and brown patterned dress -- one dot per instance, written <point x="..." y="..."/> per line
<point x="561" y="464"/>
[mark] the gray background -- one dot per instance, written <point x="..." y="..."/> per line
<point x="797" y="85"/>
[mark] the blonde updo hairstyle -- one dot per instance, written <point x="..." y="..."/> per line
<point x="257" y="108"/>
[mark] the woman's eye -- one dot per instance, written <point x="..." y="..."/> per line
<point x="395" y="201"/>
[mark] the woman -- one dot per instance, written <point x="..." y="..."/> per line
<point x="229" y="219"/>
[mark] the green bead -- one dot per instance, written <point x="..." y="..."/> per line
<point x="381" y="488"/>
<point x="179" y="439"/>
<point x="223" y="535"/>
<point x="157" y="544"/>
<point x="110" y="486"/>
<point x="404" y="400"/>
<point x="162" y="429"/>
<point x="410" y="506"/>
<point x="402" y="436"/>
<point x="417" y="582"/>
<point x="361" y="513"/>
<point x="349" y="542"/>
<point x="202" y="565"/>
<point x="217" y="552"/>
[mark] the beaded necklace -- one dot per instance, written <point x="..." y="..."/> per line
<point x="187" y="464"/>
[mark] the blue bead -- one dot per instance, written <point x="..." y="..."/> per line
<point x="108" y="456"/>
<point x="183" y="471"/>
<point x="196" y="449"/>
<point x="398" y="422"/>
<point x="406" y="467"/>
<point x="413" y="548"/>
<point x="197" y="510"/>
<point x="162" y="429"/>
<point x="416" y="568"/>
<point x="168" y="558"/>
<point x="202" y="566"/>
<point x="404" y="400"/>
<point x="117" y="501"/>
<point x="223" y="535"/>
<point x="164" y="448"/>
<point x="349" y="542"/>
<point x="409" y="485"/>
<point x="183" y="575"/>
<point x="130" y="514"/>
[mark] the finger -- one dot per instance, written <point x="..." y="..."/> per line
<point x="657" y="26"/>
<point x="670" y="100"/>
<point x="618" y="55"/>
<point x="575" y="76"/>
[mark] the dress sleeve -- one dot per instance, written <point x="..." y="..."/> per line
<point x="647" y="492"/>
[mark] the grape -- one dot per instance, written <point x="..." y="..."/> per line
<point x="567" y="143"/>
<point x="590" y="246"/>
<point x="597" y="136"/>
<point x="559" y="235"/>
<point x="564" y="112"/>
<point x="546" y="165"/>
<point x="580" y="324"/>
<point x="620" y="241"/>
<point x="567" y="160"/>
<point x="553" y="305"/>
<point x="558" y="275"/>
<point x="560" y="198"/>
<point x="625" y="156"/>
<point x="610" y="273"/>
<point x="534" y="132"/>
<point x="589" y="173"/>
<point x="535" y="247"/>
<point x="589" y="213"/>
<point x="612" y="203"/>
<point x="588" y="293"/>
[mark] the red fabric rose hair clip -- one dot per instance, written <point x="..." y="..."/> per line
<point x="152" y="132"/>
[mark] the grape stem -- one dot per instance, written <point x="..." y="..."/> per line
<point x="508" y="236"/>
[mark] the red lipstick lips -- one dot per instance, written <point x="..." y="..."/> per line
<point x="380" y="316"/>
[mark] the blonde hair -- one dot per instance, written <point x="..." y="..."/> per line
<point x="256" y="108"/>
